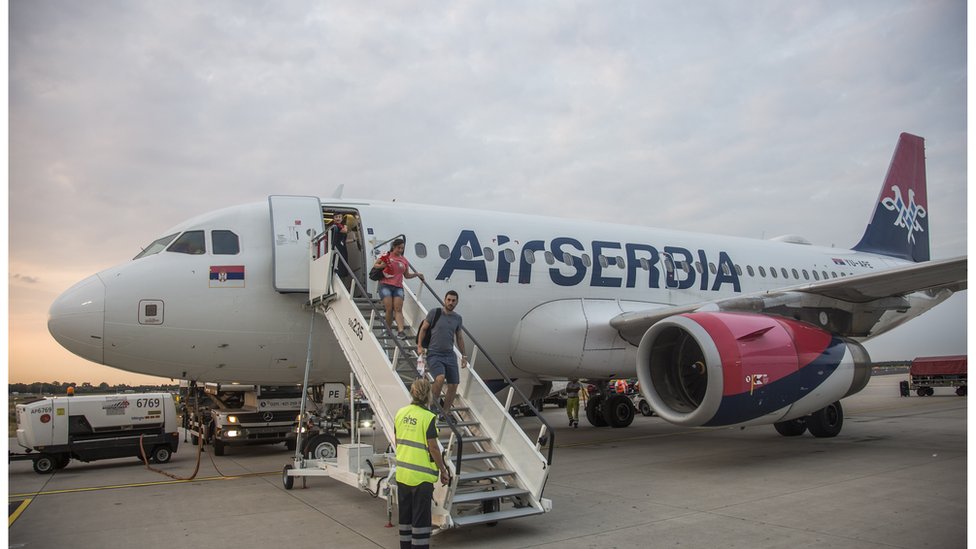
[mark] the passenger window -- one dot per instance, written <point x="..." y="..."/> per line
<point x="816" y="276"/>
<point x="444" y="251"/>
<point x="711" y="268"/>
<point x="529" y="256"/>
<point x="586" y="261"/>
<point x="785" y="274"/>
<point x="603" y="261"/>
<point x="509" y="256"/>
<point x="190" y="242"/>
<point x="489" y="254"/>
<point x="750" y="271"/>
<point x="225" y="242"/>
<point x="762" y="271"/>
<point x="420" y="250"/>
<point x="157" y="246"/>
<point x="738" y="270"/>
<point x="467" y="253"/>
<point x="698" y="267"/>
<point x="833" y="274"/>
<point x="796" y="275"/>
<point x="644" y="264"/>
<point x="725" y="269"/>
<point x="550" y="259"/>
<point x="620" y="262"/>
<point x="772" y="272"/>
<point x="806" y="276"/>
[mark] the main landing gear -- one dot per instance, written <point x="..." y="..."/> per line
<point x="824" y="423"/>
<point x="615" y="410"/>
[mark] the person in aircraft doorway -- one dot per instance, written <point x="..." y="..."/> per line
<point x="573" y="390"/>
<point x="339" y="233"/>
<point x="445" y="332"/>
<point x="395" y="269"/>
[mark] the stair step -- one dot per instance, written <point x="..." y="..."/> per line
<point x="482" y="495"/>
<point x="471" y="520"/>
<point x="466" y="440"/>
<point x="459" y="423"/>
<point x="484" y="475"/>
<point x="480" y="455"/>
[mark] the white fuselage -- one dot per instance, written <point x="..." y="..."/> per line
<point x="536" y="315"/>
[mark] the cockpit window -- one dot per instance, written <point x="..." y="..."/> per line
<point x="157" y="246"/>
<point x="225" y="243"/>
<point x="190" y="242"/>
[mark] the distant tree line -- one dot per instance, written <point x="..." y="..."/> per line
<point x="60" y="388"/>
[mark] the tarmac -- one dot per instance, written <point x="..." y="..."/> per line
<point x="895" y="477"/>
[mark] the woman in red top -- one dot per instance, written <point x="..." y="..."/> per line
<point x="390" y="288"/>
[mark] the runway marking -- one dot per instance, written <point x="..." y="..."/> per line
<point x="15" y="508"/>
<point x="136" y="485"/>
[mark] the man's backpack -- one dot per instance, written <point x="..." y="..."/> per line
<point x="430" y="329"/>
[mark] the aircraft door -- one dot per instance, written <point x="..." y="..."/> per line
<point x="294" y="221"/>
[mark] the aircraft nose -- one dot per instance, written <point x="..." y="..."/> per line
<point x="77" y="319"/>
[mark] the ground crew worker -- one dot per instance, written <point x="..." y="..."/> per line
<point x="418" y="461"/>
<point x="573" y="389"/>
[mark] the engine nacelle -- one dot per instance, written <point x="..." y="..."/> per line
<point x="716" y="369"/>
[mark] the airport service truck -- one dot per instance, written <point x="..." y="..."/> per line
<point x="237" y="415"/>
<point x="56" y="430"/>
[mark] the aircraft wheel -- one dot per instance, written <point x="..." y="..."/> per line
<point x="287" y="480"/>
<point x="45" y="464"/>
<point x="322" y="447"/>
<point x="961" y="391"/>
<point x="791" y="428"/>
<point x="827" y="421"/>
<point x="594" y="411"/>
<point x="618" y="411"/>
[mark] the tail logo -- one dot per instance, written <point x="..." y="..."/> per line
<point x="908" y="214"/>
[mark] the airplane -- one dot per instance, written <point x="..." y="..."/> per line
<point x="720" y="331"/>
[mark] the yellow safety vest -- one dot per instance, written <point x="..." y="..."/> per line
<point x="413" y="461"/>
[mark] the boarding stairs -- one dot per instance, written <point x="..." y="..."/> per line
<point x="498" y="472"/>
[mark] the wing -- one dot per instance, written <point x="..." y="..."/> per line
<point x="859" y="306"/>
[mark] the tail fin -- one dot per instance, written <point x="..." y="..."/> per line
<point x="900" y="224"/>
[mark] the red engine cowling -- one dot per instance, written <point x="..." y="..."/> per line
<point x="718" y="369"/>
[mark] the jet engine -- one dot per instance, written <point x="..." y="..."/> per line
<point x="716" y="369"/>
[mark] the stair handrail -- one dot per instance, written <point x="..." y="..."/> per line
<point x="396" y="341"/>
<point x="387" y="241"/>
<point x="550" y="433"/>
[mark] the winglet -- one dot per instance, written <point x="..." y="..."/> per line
<point x="900" y="224"/>
<point x="338" y="192"/>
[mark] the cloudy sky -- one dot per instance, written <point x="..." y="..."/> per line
<point x="752" y="118"/>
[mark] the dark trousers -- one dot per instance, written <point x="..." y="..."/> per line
<point x="414" y="504"/>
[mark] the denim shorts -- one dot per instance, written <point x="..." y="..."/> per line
<point x="444" y="364"/>
<point x="390" y="291"/>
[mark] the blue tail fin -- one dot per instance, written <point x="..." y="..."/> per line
<point x="900" y="224"/>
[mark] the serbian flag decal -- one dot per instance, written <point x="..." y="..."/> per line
<point x="227" y="276"/>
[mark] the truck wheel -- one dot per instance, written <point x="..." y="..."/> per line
<point x="929" y="391"/>
<point x="218" y="446"/>
<point x="63" y="461"/>
<point x="161" y="454"/>
<point x="287" y="480"/>
<point x="645" y="408"/>
<point x="826" y="422"/>
<point x="291" y="444"/>
<point x="44" y="464"/>
<point x="961" y="391"/>
<point x="322" y="447"/>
